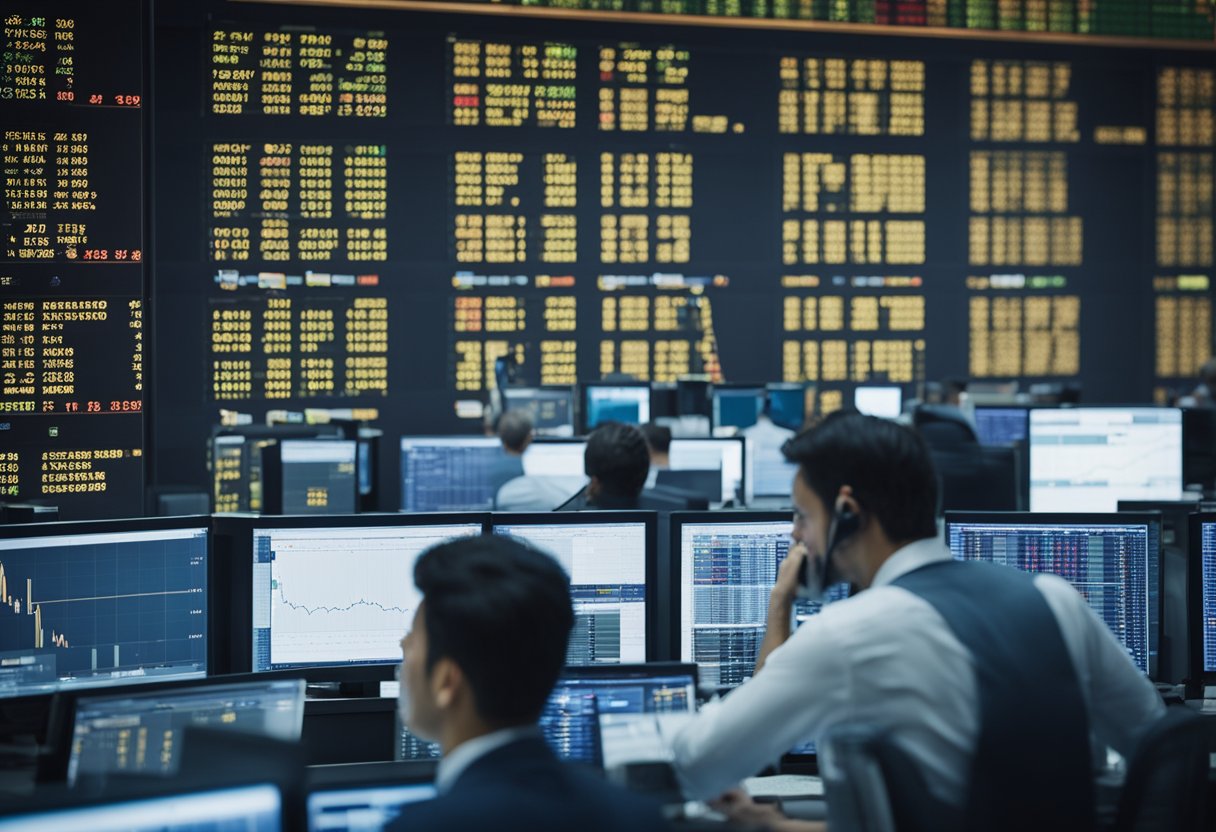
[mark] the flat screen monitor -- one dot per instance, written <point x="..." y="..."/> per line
<point x="571" y="719"/>
<point x="108" y="603"/>
<point x="561" y="459"/>
<point x="1089" y="458"/>
<point x="610" y="558"/>
<point x="310" y="476"/>
<point x="254" y="808"/>
<point x="884" y="402"/>
<point x="454" y="473"/>
<point x="1002" y="426"/>
<point x="771" y="474"/>
<point x="337" y="595"/>
<point x="1114" y="561"/>
<point x="629" y="403"/>
<point x="550" y="408"/>
<point x="787" y="405"/>
<point x="725" y="567"/>
<point x="363" y="807"/>
<point x="737" y="406"/>
<point x="726" y="454"/>
<point x="141" y="733"/>
<point x="1202" y="597"/>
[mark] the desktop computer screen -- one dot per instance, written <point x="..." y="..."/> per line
<point x="142" y="733"/>
<point x="326" y="596"/>
<point x="551" y="409"/>
<point x="1113" y="561"/>
<point x="363" y="808"/>
<point x="607" y="560"/>
<point x="727" y="568"/>
<point x="1002" y="425"/>
<point x="454" y="473"/>
<point x="257" y="808"/>
<point x="571" y="719"/>
<point x="311" y="476"/>
<point x="885" y="402"/>
<point x="1206" y="596"/>
<point x="726" y="454"/>
<point x="612" y="403"/>
<point x="772" y="475"/>
<point x="787" y="405"/>
<point x="737" y="407"/>
<point x="1089" y="458"/>
<point x="94" y="608"/>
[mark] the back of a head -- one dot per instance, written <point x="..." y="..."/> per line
<point x="886" y="464"/>
<point x="658" y="438"/>
<point x="617" y="457"/>
<point x="501" y="611"/>
<point x="1207" y="373"/>
<point x="515" y="430"/>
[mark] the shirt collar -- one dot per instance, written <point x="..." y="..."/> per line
<point x="916" y="554"/>
<point x="456" y="761"/>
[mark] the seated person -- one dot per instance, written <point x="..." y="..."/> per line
<point x="518" y="491"/>
<point x="617" y="462"/>
<point x="990" y="680"/>
<point x="515" y="433"/>
<point x="485" y="649"/>
<point x="658" y="443"/>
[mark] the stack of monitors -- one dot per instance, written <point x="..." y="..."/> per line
<point x="86" y="605"/>
<point x="1113" y="561"/>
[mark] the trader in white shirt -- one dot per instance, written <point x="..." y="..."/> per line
<point x="944" y="654"/>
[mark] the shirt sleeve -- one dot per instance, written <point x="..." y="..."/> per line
<point x="802" y="687"/>
<point x="1122" y="701"/>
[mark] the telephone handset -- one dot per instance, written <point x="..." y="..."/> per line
<point x="817" y="575"/>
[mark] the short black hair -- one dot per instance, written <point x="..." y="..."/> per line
<point x="501" y="611"/>
<point x="617" y="456"/>
<point x="658" y="437"/>
<point x="515" y="429"/>
<point x="887" y="465"/>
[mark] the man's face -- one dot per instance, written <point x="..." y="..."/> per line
<point x="812" y="523"/>
<point x="417" y="706"/>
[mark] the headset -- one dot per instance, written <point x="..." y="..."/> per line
<point x="815" y="577"/>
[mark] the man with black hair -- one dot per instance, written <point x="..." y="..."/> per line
<point x="617" y="462"/>
<point x="988" y="680"/>
<point x="485" y="649"/>
<point x="658" y="443"/>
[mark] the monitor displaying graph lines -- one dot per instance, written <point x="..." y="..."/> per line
<point x="107" y="607"/>
<point x="327" y="596"/>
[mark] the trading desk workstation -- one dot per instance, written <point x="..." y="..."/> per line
<point x="273" y="272"/>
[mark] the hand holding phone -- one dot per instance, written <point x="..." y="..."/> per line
<point x="817" y="574"/>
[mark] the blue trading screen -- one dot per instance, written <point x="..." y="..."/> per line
<point x="737" y="408"/>
<point x="1208" y="542"/>
<point x="1002" y="425"/>
<point x="617" y="404"/>
<point x="727" y="570"/>
<point x="1114" y="566"/>
<point x="454" y="473"/>
<point x="142" y="734"/>
<point x="364" y="808"/>
<point x="96" y="609"/>
<point x="247" y="808"/>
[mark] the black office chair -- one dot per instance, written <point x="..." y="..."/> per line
<point x="943" y="426"/>
<point x="1167" y="777"/>
<point x="976" y="478"/>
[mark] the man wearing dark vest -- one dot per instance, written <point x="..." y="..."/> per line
<point x="999" y="687"/>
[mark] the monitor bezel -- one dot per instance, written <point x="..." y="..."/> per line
<point x="649" y="519"/>
<point x="581" y="425"/>
<point x="234" y="537"/>
<point x="335" y="777"/>
<point x="213" y="603"/>
<point x="1080" y="519"/>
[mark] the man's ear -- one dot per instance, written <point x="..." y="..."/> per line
<point x="447" y="683"/>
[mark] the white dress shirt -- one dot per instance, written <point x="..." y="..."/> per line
<point x="886" y="656"/>
<point x="454" y="763"/>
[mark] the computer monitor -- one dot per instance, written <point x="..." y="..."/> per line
<point x="252" y="808"/>
<point x="1002" y="425"/>
<point x="727" y="454"/>
<point x="453" y="473"/>
<point x="611" y="560"/>
<point x="1089" y="458"/>
<point x="629" y="403"/>
<point x="141" y="733"/>
<point x="771" y="474"/>
<point x="737" y="405"/>
<point x="342" y="593"/>
<point x="550" y="408"/>
<point x="358" y="797"/>
<point x="724" y="566"/>
<point x="884" y="402"/>
<point x="787" y="405"/>
<point x="571" y="719"/>
<point x="1201" y="594"/>
<point x="1114" y="561"/>
<point x="310" y="476"/>
<point x="93" y="604"/>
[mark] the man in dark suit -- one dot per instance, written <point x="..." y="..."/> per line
<point x="486" y="647"/>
